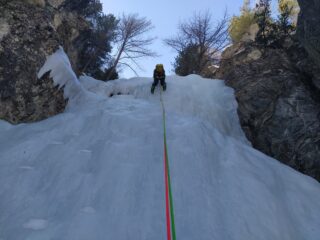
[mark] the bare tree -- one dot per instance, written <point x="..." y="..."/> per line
<point x="199" y="31"/>
<point x="131" y="41"/>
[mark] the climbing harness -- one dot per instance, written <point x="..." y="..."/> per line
<point x="168" y="195"/>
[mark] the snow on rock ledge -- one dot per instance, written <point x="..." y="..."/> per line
<point x="60" y="69"/>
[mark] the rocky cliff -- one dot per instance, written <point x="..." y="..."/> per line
<point x="308" y="28"/>
<point x="279" y="108"/>
<point x="29" y="32"/>
<point x="278" y="93"/>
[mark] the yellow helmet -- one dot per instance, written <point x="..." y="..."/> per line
<point x="159" y="67"/>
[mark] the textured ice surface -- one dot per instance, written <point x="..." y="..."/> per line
<point x="96" y="171"/>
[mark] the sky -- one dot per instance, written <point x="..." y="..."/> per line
<point x="165" y="16"/>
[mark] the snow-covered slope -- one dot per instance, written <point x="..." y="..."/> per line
<point x="95" y="172"/>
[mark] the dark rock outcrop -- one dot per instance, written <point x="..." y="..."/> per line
<point x="278" y="92"/>
<point x="279" y="106"/>
<point x="24" y="46"/>
<point x="309" y="28"/>
<point x="30" y="31"/>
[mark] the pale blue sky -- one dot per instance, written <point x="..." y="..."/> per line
<point x="165" y="16"/>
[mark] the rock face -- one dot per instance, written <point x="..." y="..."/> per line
<point x="70" y="28"/>
<point x="279" y="106"/>
<point x="308" y="28"/>
<point x="278" y="92"/>
<point x="29" y="34"/>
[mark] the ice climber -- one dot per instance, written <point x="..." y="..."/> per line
<point x="159" y="74"/>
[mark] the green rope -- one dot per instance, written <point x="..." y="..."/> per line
<point x="168" y="169"/>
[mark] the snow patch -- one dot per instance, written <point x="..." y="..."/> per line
<point x="4" y="28"/>
<point x="222" y="187"/>
<point x="89" y="210"/>
<point x="36" y="224"/>
<point x="61" y="71"/>
<point x="26" y="168"/>
<point x="56" y="143"/>
<point x="85" y="151"/>
<point x="206" y="99"/>
<point x="4" y="126"/>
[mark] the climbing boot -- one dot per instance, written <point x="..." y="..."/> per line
<point x="152" y="88"/>
<point x="164" y="87"/>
